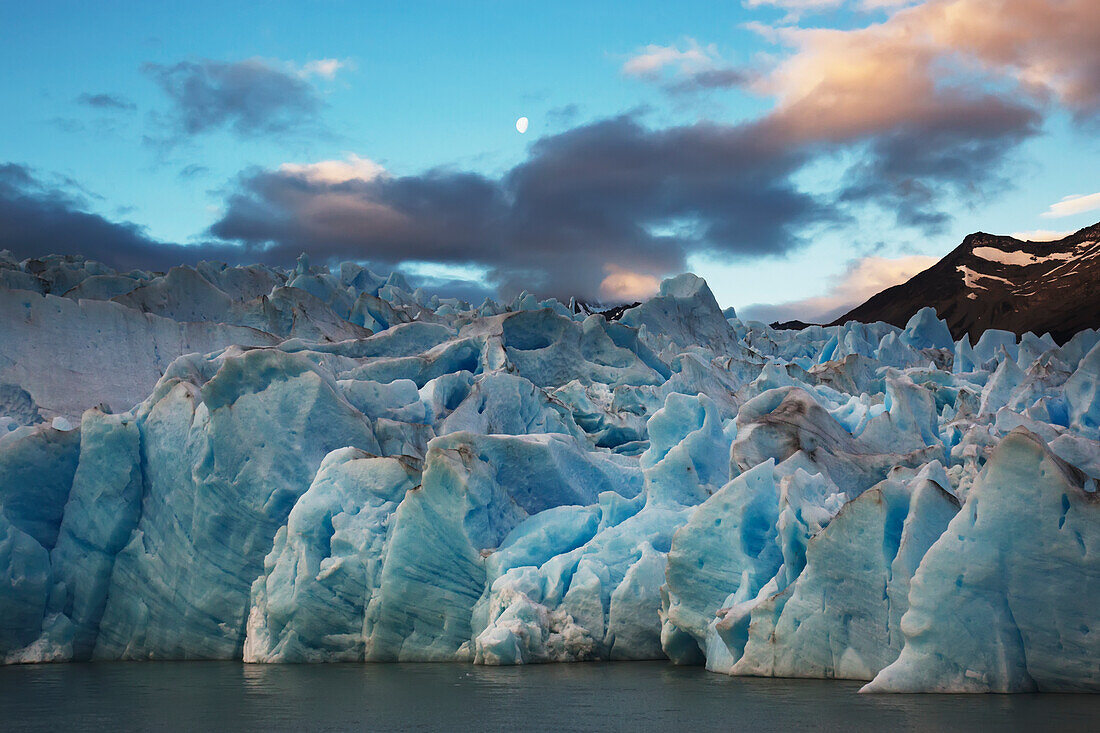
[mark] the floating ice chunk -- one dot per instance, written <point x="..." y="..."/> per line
<point x="562" y="453"/>
<point x="102" y="287"/>
<point x="894" y="351"/>
<point x="505" y="403"/>
<point x="326" y="288"/>
<point x="593" y="409"/>
<point x="241" y="283"/>
<point x="375" y="399"/>
<point x="181" y="295"/>
<point x="633" y="623"/>
<point x="1000" y="387"/>
<point x="1079" y="452"/>
<point x="1074" y="350"/>
<point x="71" y="355"/>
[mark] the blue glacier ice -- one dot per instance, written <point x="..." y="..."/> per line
<point x="1005" y="599"/>
<point x="320" y="465"/>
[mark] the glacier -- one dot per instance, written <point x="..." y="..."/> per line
<point x="323" y="464"/>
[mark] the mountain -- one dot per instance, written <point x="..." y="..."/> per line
<point x="990" y="281"/>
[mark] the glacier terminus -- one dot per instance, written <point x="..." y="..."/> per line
<point x="315" y="465"/>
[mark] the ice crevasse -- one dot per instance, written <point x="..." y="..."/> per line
<point x="310" y="465"/>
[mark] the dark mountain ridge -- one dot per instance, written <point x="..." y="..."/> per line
<point x="1001" y="282"/>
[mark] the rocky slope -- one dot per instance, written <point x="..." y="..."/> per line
<point x="1004" y="283"/>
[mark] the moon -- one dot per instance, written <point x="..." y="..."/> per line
<point x="521" y="125"/>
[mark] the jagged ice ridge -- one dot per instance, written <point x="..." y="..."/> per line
<point x="312" y="466"/>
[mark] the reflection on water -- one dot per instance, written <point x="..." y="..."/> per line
<point x="598" y="697"/>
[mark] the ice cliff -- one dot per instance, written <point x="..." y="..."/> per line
<point x="312" y="465"/>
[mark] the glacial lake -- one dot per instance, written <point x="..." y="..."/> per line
<point x="628" y="696"/>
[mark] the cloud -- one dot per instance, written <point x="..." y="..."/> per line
<point x="941" y="53"/>
<point x="925" y="108"/>
<point x="928" y="106"/>
<point x="332" y="172"/>
<point x="38" y="219"/>
<point x="106" y="102"/>
<point x="861" y="279"/>
<point x="470" y="291"/>
<point x="623" y="285"/>
<point x="653" y="59"/>
<point x="610" y="191"/>
<point x="1071" y="205"/>
<point x="250" y="97"/>
<point x="936" y="98"/>
<point x="565" y="114"/>
<point x="1041" y="235"/>
<point x="693" y="68"/>
<point x="707" y="79"/>
<point x="194" y="170"/>
<point x="324" y="68"/>
<point x="916" y="169"/>
<point x="797" y="7"/>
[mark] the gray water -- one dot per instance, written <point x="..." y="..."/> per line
<point x="203" y="696"/>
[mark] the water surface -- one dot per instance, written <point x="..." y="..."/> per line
<point x="189" y="696"/>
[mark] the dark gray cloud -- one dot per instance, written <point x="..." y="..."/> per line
<point x="618" y="193"/>
<point x="564" y="115"/>
<point x="958" y="155"/>
<point x="37" y="219"/>
<point x="612" y="192"/>
<point x="710" y="79"/>
<point x="251" y="97"/>
<point x="109" y="102"/>
<point x="194" y="170"/>
<point x="67" y="124"/>
<point x="467" y="290"/>
<point x="608" y="194"/>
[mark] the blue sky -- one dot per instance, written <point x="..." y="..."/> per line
<point x="422" y="87"/>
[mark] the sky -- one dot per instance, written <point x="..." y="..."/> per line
<point x="799" y="154"/>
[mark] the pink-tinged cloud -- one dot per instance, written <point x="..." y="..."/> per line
<point x="797" y="7"/>
<point x="324" y="68"/>
<point x="926" y="107"/>
<point x="937" y="62"/>
<point x="653" y="59"/>
<point x="862" y="279"/>
<point x="623" y="285"/>
<point x="1042" y="235"/>
<point x="332" y="172"/>
<point x="1071" y="205"/>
